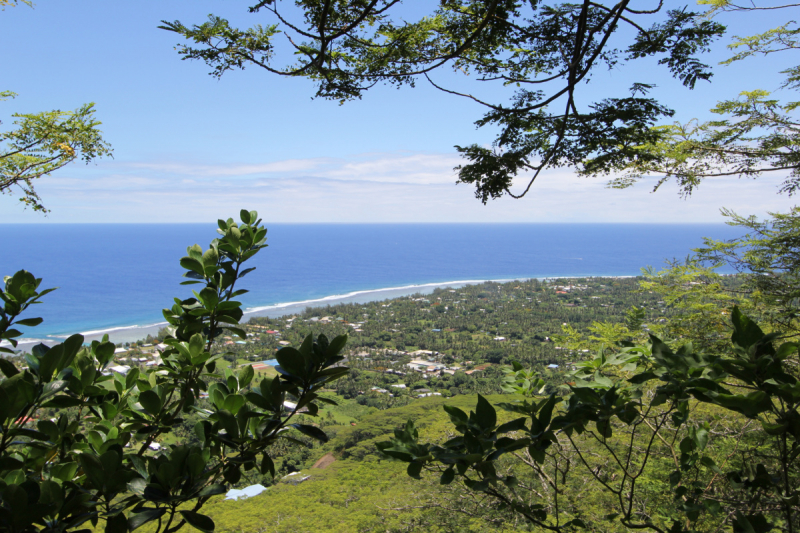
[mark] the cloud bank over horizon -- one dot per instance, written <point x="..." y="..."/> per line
<point x="391" y="187"/>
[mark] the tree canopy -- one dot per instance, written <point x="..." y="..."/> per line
<point x="755" y="134"/>
<point x="44" y="142"/>
<point x="542" y="53"/>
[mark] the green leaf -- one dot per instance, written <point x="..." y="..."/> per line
<point x="93" y="469"/>
<point x="536" y="453"/>
<point x="196" y="345"/>
<point x="311" y="431"/>
<point x="72" y="346"/>
<point x="233" y="402"/>
<point x="447" y="476"/>
<point x="602" y="380"/>
<point x="7" y="368"/>
<point x="414" y="470"/>
<point x="246" y="376"/>
<point x="131" y="377"/>
<point x="258" y="400"/>
<point x="755" y="523"/>
<point x="198" y="521"/>
<point x="193" y="265"/>
<point x="49" y="362"/>
<point x="642" y="378"/>
<point x="228" y="422"/>
<point x="774" y="429"/>
<point x="151" y="402"/>
<point x="116" y="524"/>
<point x="749" y="405"/>
<point x="245" y="216"/>
<point x="306" y="348"/>
<point x="457" y="416"/>
<point x="709" y="463"/>
<point x="30" y="322"/>
<point x="62" y="402"/>
<point x="485" y="414"/>
<point x="136" y="520"/>
<point x="51" y="493"/>
<point x="267" y="465"/>
<point x="336" y="345"/>
<point x="546" y="412"/>
<point x="210" y="259"/>
<point x="292" y="361"/>
<point x="701" y="437"/>
<point x="687" y="445"/>
<point x="212" y="490"/>
<point x="745" y="331"/>
<point x="64" y="471"/>
<point x="514" y="425"/>
<point x="232" y="474"/>
<point x="105" y="352"/>
<point x="239" y="332"/>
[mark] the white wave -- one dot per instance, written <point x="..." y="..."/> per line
<point x="24" y="340"/>
<point x="116" y="328"/>
<point x="250" y="310"/>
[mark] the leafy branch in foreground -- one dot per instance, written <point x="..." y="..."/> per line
<point x="93" y="463"/>
<point x="638" y="426"/>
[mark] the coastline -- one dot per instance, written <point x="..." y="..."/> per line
<point x="132" y="333"/>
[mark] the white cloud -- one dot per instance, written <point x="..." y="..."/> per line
<point x="393" y="187"/>
<point x="400" y="167"/>
<point x="287" y="166"/>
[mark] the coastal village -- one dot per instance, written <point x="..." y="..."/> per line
<point x="436" y="344"/>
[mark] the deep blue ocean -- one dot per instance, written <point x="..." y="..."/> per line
<point x="114" y="275"/>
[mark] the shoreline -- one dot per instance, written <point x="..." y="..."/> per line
<point x="132" y="333"/>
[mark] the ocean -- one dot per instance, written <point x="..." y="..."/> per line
<point x="116" y="278"/>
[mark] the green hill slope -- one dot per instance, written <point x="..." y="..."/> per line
<point x="359" y="491"/>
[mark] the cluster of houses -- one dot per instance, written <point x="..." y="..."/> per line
<point x="328" y="319"/>
<point x="419" y="393"/>
<point x="565" y="289"/>
<point x="125" y="359"/>
<point x="264" y="329"/>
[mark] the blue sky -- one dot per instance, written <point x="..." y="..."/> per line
<point x="191" y="148"/>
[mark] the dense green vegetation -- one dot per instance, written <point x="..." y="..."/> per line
<point x="360" y="491"/>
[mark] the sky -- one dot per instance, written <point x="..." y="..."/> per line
<point x="192" y="148"/>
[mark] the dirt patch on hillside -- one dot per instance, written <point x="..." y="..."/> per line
<point x="324" y="461"/>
